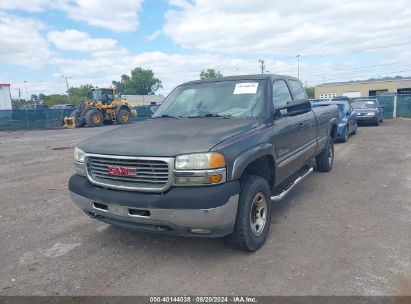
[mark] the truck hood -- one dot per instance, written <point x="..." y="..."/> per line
<point x="167" y="136"/>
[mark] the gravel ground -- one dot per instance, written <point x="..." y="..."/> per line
<point x="342" y="233"/>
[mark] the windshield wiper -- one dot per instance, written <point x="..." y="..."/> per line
<point x="167" y="116"/>
<point x="209" y="115"/>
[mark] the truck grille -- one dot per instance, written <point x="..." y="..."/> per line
<point x="146" y="174"/>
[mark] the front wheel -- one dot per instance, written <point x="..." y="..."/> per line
<point x="123" y="116"/>
<point x="325" y="159"/>
<point x="253" y="214"/>
<point x="94" y="118"/>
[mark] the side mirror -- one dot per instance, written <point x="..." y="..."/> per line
<point x="293" y="108"/>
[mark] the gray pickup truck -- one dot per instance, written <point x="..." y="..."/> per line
<point x="210" y="162"/>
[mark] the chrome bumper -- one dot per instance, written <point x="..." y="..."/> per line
<point x="214" y="222"/>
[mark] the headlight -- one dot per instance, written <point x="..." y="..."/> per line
<point x="199" y="169"/>
<point x="200" y="161"/>
<point x="370" y="113"/>
<point x="78" y="155"/>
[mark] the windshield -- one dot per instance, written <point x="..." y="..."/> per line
<point x="364" y="104"/>
<point x="223" y="98"/>
<point x="103" y="95"/>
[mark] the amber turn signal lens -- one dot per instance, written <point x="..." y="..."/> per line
<point x="217" y="160"/>
<point x="214" y="179"/>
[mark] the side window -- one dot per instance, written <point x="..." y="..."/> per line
<point x="297" y="89"/>
<point x="281" y="93"/>
<point x="346" y="107"/>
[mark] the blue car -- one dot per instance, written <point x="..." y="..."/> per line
<point x="347" y="124"/>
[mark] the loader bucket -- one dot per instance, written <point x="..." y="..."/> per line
<point x="69" y="122"/>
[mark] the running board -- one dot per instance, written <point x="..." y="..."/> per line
<point x="280" y="196"/>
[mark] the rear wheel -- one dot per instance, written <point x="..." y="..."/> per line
<point x="346" y="134"/>
<point x="325" y="159"/>
<point x="123" y="116"/>
<point x="253" y="214"/>
<point x="355" y="130"/>
<point x="94" y="118"/>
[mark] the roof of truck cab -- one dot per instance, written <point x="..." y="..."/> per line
<point x="242" y="77"/>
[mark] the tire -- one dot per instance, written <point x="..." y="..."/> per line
<point x="355" y="130"/>
<point x="346" y="134"/>
<point x="123" y="116"/>
<point x="80" y="122"/>
<point x="325" y="159"/>
<point x="377" y="123"/>
<point x="252" y="226"/>
<point x="94" y="118"/>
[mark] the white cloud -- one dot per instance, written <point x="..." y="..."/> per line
<point x="21" y="42"/>
<point x="25" y="5"/>
<point x="287" y="27"/>
<point x="172" y="69"/>
<point x="117" y="16"/>
<point x="154" y="35"/>
<point x="73" y="40"/>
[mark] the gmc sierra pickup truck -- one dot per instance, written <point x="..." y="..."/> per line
<point x="210" y="162"/>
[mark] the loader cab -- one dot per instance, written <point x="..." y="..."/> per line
<point x="105" y="96"/>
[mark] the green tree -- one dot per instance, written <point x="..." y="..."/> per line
<point x="54" y="99"/>
<point x="42" y="97"/>
<point x="83" y="91"/>
<point x="141" y="82"/>
<point x="34" y="98"/>
<point x="210" y="73"/>
<point x="310" y="92"/>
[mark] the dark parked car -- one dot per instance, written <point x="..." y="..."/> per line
<point x="211" y="161"/>
<point x="347" y="123"/>
<point x="65" y="106"/>
<point x="368" y="111"/>
<point x="35" y="106"/>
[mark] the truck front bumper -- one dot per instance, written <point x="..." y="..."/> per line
<point x="208" y="211"/>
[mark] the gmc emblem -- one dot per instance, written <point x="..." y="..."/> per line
<point x="121" y="171"/>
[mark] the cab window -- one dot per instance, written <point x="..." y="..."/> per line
<point x="297" y="89"/>
<point x="281" y="94"/>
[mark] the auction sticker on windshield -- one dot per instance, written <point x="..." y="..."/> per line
<point x="246" y="88"/>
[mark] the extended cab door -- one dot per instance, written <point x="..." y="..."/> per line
<point x="288" y="140"/>
<point x="308" y="125"/>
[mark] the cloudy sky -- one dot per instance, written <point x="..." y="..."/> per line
<point x="96" y="41"/>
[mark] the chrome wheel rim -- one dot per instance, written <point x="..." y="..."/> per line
<point x="330" y="155"/>
<point x="258" y="214"/>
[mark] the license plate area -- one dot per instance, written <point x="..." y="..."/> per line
<point x="121" y="210"/>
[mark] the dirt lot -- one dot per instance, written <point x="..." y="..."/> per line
<point x="343" y="233"/>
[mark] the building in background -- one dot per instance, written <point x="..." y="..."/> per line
<point x="5" y="97"/>
<point x="143" y="100"/>
<point x="364" y="88"/>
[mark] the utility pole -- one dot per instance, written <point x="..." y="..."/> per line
<point x="298" y="58"/>
<point x="25" y="85"/>
<point x="262" y="65"/>
<point x="19" y="97"/>
<point x="68" y="95"/>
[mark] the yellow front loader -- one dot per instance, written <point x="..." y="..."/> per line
<point x="103" y="108"/>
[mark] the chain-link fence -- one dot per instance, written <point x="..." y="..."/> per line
<point x="50" y="118"/>
<point x="32" y="119"/>
<point x="396" y="105"/>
